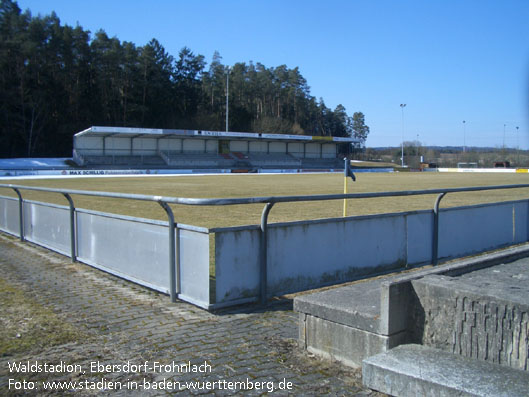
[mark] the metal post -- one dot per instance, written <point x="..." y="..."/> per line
<point x="517" y="149"/>
<point x="402" y="106"/>
<point x="264" y="253"/>
<point x="73" y="251"/>
<point x="227" y="96"/>
<point x="345" y="160"/>
<point x="178" y="281"/>
<point x="435" y="242"/>
<point x="464" y="136"/>
<point x="174" y="266"/>
<point x="20" y="213"/>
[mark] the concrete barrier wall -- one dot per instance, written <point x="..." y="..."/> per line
<point x="47" y="225"/>
<point x="193" y="249"/>
<point x="301" y="255"/>
<point x="309" y="254"/>
<point x="520" y="222"/>
<point x="473" y="229"/>
<point x="135" y="249"/>
<point x="237" y="263"/>
<point x="9" y="221"/>
<point x="141" y="253"/>
<point x="419" y="240"/>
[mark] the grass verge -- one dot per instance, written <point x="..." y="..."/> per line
<point x="28" y="326"/>
<point x="225" y="186"/>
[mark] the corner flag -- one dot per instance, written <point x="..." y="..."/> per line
<point x="347" y="172"/>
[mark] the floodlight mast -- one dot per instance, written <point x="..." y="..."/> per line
<point x="227" y="95"/>
<point x="464" y="136"/>
<point x="517" y="149"/>
<point x="402" y="106"/>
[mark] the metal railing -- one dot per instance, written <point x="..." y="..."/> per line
<point x="270" y="201"/>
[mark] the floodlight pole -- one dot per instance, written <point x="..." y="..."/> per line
<point x="464" y="136"/>
<point x="227" y="95"/>
<point x="402" y="106"/>
<point x="517" y="148"/>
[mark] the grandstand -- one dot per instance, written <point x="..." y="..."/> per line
<point x="119" y="147"/>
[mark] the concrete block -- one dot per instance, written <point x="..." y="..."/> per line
<point x="415" y="370"/>
<point x="301" y="331"/>
<point x="395" y="303"/>
<point x="417" y="307"/>
<point x="344" y="343"/>
<point x="356" y="305"/>
<point x="483" y="314"/>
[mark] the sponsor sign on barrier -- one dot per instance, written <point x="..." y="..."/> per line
<point x="496" y="170"/>
<point x="13" y="173"/>
<point x="77" y="172"/>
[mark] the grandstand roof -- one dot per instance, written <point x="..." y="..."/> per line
<point x="164" y="133"/>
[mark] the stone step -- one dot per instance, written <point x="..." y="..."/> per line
<point x="344" y="324"/>
<point x="417" y="370"/>
<point x="356" y="305"/>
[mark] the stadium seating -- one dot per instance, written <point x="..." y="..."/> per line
<point x="321" y="163"/>
<point x="129" y="161"/>
<point x="196" y="160"/>
<point x="273" y="160"/>
<point x="201" y="160"/>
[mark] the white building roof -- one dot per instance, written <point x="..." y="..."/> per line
<point x="163" y="133"/>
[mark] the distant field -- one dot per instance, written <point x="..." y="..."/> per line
<point x="275" y="185"/>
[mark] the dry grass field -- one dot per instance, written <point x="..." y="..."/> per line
<point x="232" y="185"/>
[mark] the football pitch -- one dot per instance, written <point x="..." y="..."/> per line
<point x="255" y="185"/>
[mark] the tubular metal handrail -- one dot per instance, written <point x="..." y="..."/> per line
<point x="164" y="201"/>
<point x="257" y="200"/>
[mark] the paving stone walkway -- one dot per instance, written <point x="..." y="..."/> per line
<point x="157" y="347"/>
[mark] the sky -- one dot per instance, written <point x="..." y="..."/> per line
<point x="449" y="61"/>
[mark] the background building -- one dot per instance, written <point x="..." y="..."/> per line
<point x="193" y="149"/>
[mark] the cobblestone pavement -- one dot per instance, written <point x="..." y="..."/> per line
<point x="129" y="326"/>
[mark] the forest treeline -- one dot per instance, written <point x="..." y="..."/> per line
<point x="56" y="80"/>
